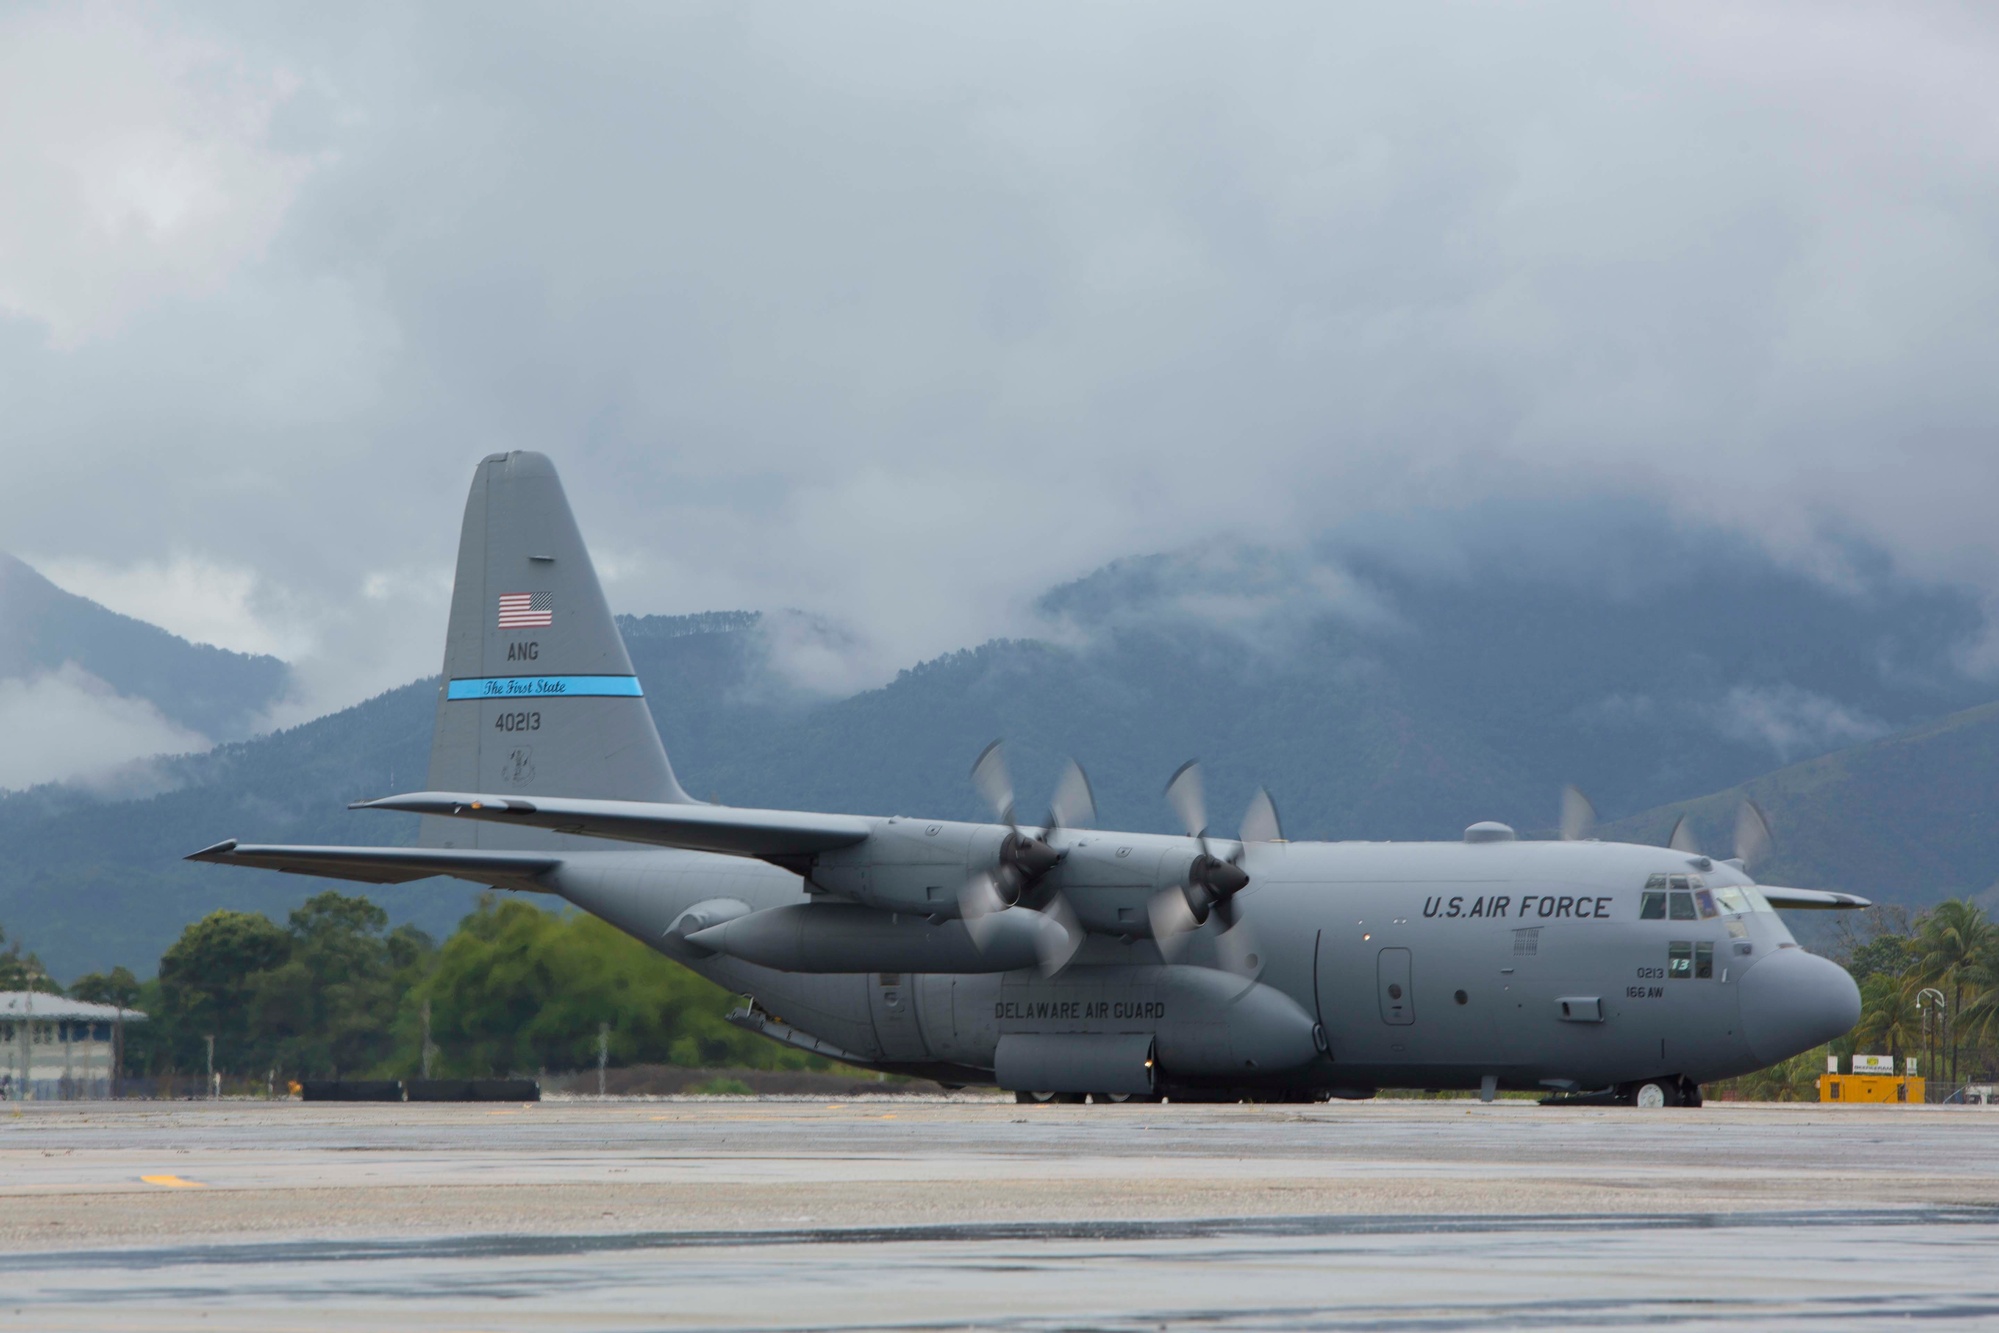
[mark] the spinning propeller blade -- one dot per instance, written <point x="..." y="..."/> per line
<point x="1058" y="945"/>
<point x="1183" y="793"/>
<point x="1172" y="921"/>
<point x="1074" y="805"/>
<point x="1260" y="822"/>
<point x="1212" y="881"/>
<point x="1752" y="834"/>
<point x="1682" y="838"/>
<point x="1578" y="815"/>
<point x="993" y="782"/>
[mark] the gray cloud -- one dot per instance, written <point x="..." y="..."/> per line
<point x="68" y="726"/>
<point x="902" y="315"/>
<point x="1792" y="721"/>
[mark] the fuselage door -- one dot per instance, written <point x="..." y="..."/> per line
<point x="1398" y="1001"/>
<point x="892" y="1003"/>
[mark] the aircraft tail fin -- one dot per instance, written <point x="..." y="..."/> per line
<point x="538" y="696"/>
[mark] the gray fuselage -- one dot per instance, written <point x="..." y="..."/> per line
<point x="1425" y="965"/>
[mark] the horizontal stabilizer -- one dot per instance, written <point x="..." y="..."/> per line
<point x="389" y="865"/>
<point x="695" y="828"/>
<point x="1819" y="900"/>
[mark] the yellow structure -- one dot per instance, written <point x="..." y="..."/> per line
<point x="1873" y="1080"/>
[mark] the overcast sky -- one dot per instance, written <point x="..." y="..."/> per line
<point x="902" y="313"/>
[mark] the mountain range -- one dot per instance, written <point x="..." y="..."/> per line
<point x="1380" y="687"/>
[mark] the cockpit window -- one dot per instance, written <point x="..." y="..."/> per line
<point x="1688" y="898"/>
<point x="1680" y="960"/>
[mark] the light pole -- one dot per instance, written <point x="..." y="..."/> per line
<point x="28" y="979"/>
<point x="1928" y="1000"/>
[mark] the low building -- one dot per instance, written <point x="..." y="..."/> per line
<point x="53" y="1048"/>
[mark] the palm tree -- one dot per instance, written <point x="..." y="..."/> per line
<point x="1979" y="1020"/>
<point x="1955" y="952"/>
<point x="1888" y="1016"/>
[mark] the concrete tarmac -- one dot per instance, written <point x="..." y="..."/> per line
<point x="975" y="1212"/>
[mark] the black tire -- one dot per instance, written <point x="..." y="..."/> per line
<point x="1653" y="1093"/>
<point x="1690" y="1092"/>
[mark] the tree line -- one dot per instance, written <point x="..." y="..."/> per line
<point x="334" y="992"/>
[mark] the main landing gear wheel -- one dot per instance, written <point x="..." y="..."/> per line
<point x="1654" y="1093"/>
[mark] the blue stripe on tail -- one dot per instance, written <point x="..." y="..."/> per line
<point x="541" y="687"/>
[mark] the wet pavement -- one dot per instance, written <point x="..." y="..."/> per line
<point x="978" y="1213"/>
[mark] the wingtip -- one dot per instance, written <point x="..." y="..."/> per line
<point x="214" y="852"/>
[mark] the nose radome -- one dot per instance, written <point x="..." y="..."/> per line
<point x="1793" y="1001"/>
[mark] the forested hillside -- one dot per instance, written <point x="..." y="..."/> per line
<point x="209" y="690"/>
<point x="1906" y="819"/>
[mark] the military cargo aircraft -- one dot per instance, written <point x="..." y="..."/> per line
<point x="1057" y="960"/>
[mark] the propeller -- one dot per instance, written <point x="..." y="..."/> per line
<point x="1752" y="834"/>
<point x="1024" y="857"/>
<point x="1074" y="805"/>
<point x="1578" y="815"/>
<point x="1212" y="881"/>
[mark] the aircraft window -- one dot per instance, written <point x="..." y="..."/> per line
<point x="1731" y="899"/>
<point x="1703" y="961"/>
<point x="1683" y="907"/>
<point x="1704" y="900"/>
<point x="1656" y="882"/>
<point x="1757" y="902"/>
<point x="1680" y="960"/>
<point x="1679" y="881"/>
<point x="1652" y="907"/>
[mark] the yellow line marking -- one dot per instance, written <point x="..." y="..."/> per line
<point x="174" y="1182"/>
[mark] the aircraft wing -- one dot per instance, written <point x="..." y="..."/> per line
<point x="388" y="865"/>
<point x="696" y="828"/>
<point x="1821" y="900"/>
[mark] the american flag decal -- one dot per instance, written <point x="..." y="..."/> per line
<point x="526" y="610"/>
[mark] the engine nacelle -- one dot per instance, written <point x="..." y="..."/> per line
<point x="910" y="865"/>
<point x="846" y="937"/>
<point x="919" y="867"/>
